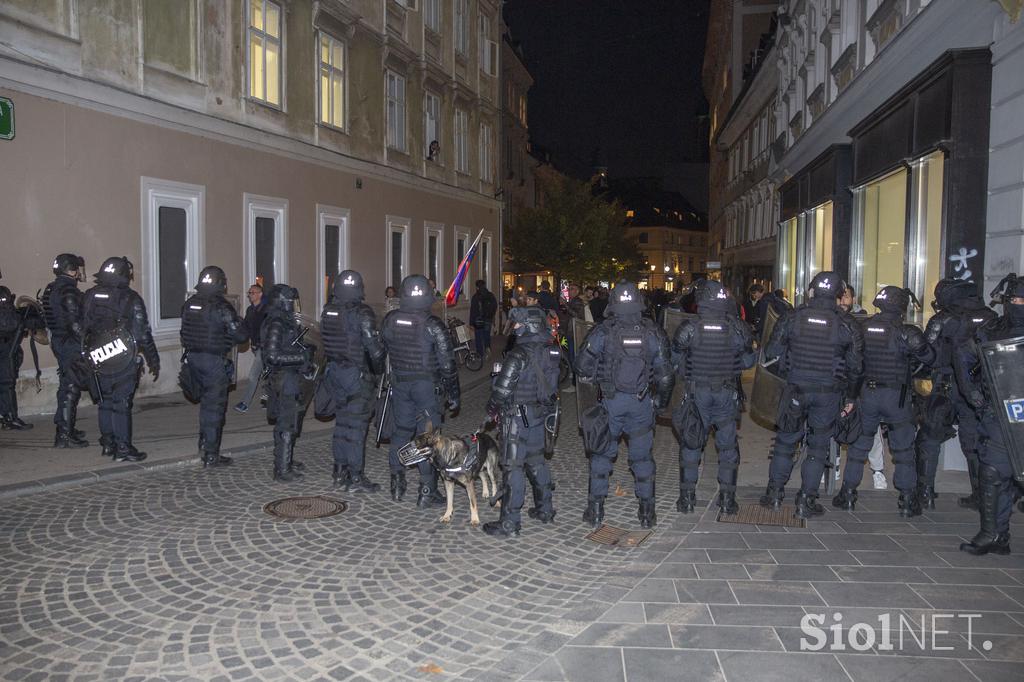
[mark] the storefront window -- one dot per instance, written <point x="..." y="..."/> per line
<point x="820" y="248"/>
<point x="786" y="261"/>
<point x="879" y="241"/>
<point x="925" y="249"/>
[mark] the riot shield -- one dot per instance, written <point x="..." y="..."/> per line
<point x="311" y="339"/>
<point x="586" y="394"/>
<point x="768" y="384"/>
<point x="671" y="320"/>
<point x="110" y="351"/>
<point x="1004" y="378"/>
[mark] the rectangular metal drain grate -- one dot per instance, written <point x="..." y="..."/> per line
<point x="619" y="537"/>
<point x="761" y="516"/>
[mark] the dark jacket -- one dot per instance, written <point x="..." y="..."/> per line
<point x="547" y="300"/>
<point x="482" y="308"/>
<point x="254" y="315"/>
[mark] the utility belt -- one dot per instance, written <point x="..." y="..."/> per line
<point x="895" y="385"/>
<point x="412" y="376"/>
<point x="608" y="391"/>
<point x="711" y="384"/>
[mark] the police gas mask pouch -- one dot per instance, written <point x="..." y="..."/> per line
<point x="594" y="423"/>
<point x="689" y="425"/>
<point x="324" y="407"/>
<point x="791" y="410"/>
<point x="186" y="379"/>
<point x="849" y="427"/>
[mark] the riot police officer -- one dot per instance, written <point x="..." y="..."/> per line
<point x="354" y="353"/>
<point x="524" y="400"/>
<point x="12" y="331"/>
<point x="960" y="311"/>
<point x="889" y="348"/>
<point x="821" y="349"/>
<point x="286" y="359"/>
<point x="116" y="328"/>
<point x="709" y="353"/>
<point x="210" y="326"/>
<point x="625" y="355"/>
<point x="62" y="310"/>
<point x="995" y="468"/>
<point x="422" y="371"/>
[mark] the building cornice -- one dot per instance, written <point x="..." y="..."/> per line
<point x="762" y="89"/>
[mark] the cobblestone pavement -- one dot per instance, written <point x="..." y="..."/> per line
<point x="179" y="574"/>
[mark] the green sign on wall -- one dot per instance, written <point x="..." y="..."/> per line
<point x="6" y="119"/>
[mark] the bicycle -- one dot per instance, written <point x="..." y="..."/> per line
<point x="464" y="353"/>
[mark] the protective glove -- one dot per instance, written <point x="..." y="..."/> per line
<point x="155" y="372"/>
<point x="454" y="404"/>
<point x="493" y="414"/>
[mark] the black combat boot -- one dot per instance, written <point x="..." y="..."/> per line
<point x="593" y="515"/>
<point x="972" y="501"/>
<point x="687" y="501"/>
<point x="398" y="486"/>
<point x="909" y="504"/>
<point x="501" y="529"/>
<point x="846" y="499"/>
<point x="988" y="539"/>
<point x="359" y="483"/>
<point x="126" y="452"/>
<point x="215" y="459"/>
<point x="773" y="497"/>
<point x="428" y="498"/>
<point x="66" y="436"/>
<point x="727" y="502"/>
<point x="926" y="495"/>
<point x="542" y="516"/>
<point x="807" y="506"/>
<point x="12" y="422"/>
<point x="645" y="513"/>
<point x="283" y="469"/>
<point x="341" y="476"/>
<point x="107" y="443"/>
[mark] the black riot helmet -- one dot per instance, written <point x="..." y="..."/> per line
<point x="416" y="293"/>
<point x="529" y="322"/>
<point x="826" y="286"/>
<point x="949" y="291"/>
<point x="625" y="299"/>
<point x="6" y="298"/>
<point x="348" y="286"/>
<point x="892" y="299"/>
<point x="283" y="298"/>
<point x="66" y="263"/>
<point x="712" y="296"/>
<point x="212" y="280"/>
<point x="115" y="271"/>
<point x="1009" y="288"/>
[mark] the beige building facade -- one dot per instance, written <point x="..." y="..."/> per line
<point x="281" y="140"/>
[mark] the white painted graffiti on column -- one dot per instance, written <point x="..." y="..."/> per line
<point x="960" y="262"/>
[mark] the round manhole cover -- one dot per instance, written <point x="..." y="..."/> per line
<point x="316" y="507"/>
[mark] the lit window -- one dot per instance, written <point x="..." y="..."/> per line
<point x="396" y="111"/>
<point x="265" y="51"/>
<point x="630" y="213"/>
<point x="332" y="81"/>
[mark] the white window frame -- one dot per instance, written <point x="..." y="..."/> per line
<point x="258" y="206"/>
<point x="461" y="21"/>
<point x="330" y="215"/>
<point x="486" y="153"/>
<point x="485" y="265"/>
<point x="432" y="15"/>
<point x="250" y="29"/>
<point x="154" y="194"/>
<point x="461" y="132"/>
<point x="398" y="127"/>
<point x="437" y="230"/>
<point x="488" y="47"/>
<point x="460" y="233"/>
<point x="396" y="224"/>
<point x="332" y="70"/>
<point x="429" y="136"/>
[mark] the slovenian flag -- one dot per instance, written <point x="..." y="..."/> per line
<point x="452" y="297"/>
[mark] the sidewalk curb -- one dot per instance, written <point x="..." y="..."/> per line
<point x="15" y="490"/>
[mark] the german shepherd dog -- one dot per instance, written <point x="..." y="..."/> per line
<point x="464" y="460"/>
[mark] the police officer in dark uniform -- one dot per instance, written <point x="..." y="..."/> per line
<point x="422" y="371"/>
<point x="995" y="471"/>
<point x="12" y="331"/>
<point x="890" y="346"/>
<point x="106" y="306"/>
<point x="960" y="311"/>
<point x="355" y="353"/>
<point x="821" y="348"/>
<point x="709" y="354"/>
<point x="625" y="355"/>
<point x="523" y="398"/>
<point x="210" y="326"/>
<point x="62" y="310"/>
<point x="286" y="358"/>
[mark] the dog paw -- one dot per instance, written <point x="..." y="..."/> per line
<point x="445" y="519"/>
<point x="474" y="522"/>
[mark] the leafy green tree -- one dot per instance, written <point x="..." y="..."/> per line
<point x="573" y="233"/>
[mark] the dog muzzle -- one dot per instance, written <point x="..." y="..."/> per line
<point x="409" y="454"/>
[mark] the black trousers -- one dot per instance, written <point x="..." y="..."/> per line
<point x="212" y="374"/>
<point x="117" y="395"/>
<point x="352" y="394"/>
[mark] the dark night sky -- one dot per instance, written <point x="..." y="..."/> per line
<point x="619" y="75"/>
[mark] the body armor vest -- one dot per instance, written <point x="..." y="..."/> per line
<point x="202" y="329"/>
<point x="884" y="360"/>
<point x="9" y="321"/>
<point x="538" y="381"/>
<point x="627" y="368"/>
<point x="54" y="313"/>
<point x="814" y="352"/>
<point x="409" y="345"/>
<point x="712" y="355"/>
<point x="104" y="307"/>
<point x="341" y="333"/>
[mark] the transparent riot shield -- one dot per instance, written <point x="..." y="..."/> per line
<point x="673" y="317"/>
<point x="1003" y="371"/>
<point x="586" y="394"/>
<point x="768" y="384"/>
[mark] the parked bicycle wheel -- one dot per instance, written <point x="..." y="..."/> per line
<point x="474" y="361"/>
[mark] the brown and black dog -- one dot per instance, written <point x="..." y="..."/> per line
<point x="463" y="459"/>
